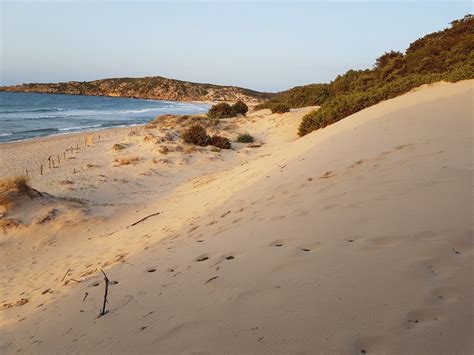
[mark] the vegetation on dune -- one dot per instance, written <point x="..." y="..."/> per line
<point x="221" y="110"/>
<point x="445" y="55"/>
<point x="239" y="108"/>
<point x="224" y="110"/>
<point x="12" y="188"/>
<point x="220" y="142"/>
<point x="197" y="135"/>
<point x="280" y="108"/>
<point x="300" y="96"/>
<point x="245" y="138"/>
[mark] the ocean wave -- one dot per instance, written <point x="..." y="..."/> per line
<point x="85" y="113"/>
<point x="79" y="127"/>
<point x="33" y="111"/>
<point x="71" y="113"/>
<point x="35" y="131"/>
<point x="59" y="115"/>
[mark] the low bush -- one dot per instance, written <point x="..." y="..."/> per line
<point x="239" y="108"/>
<point x="220" y="142"/>
<point x="196" y="135"/>
<point x="299" y="96"/>
<point x="10" y="188"/>
<point x="245" y="138"/>
<point x="280" y="108"/>
<point x="221" y="110"/>
<point x="224" y="110"/>
<point x="444" y="55"/>
<point x="126" y="160"/>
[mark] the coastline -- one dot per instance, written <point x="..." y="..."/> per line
<point x="82" y="115"/>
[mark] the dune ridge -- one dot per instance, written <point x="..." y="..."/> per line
<point x="352" y="239"/>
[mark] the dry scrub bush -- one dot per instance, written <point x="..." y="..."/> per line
<point x="11" y="188"/>
<point x="126" y="160"/>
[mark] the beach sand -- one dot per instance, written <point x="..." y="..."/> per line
<point x="356" y="238"/>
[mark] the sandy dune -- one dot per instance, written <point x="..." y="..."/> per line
<point x="357" y="238"/>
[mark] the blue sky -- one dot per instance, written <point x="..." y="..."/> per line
<point x="265" y="45"/>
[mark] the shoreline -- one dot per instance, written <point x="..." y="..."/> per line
<point x="198" y="108"/>
<point x="66" y="133"/>
<point x="37" y="150"/>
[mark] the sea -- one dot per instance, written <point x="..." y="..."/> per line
<point x="29" y="115"/>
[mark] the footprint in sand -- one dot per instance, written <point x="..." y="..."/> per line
<point x="327" y="175"/>
<point x="192" y="229"/>
<point x="202" y="258"/>
<point x="225" y="214"/>
<point x="421" y="317"/>
<point x="445" y="294"/>
<point x="357" y="163"/>
<point x="277" y="244"/>
<point x="369" y="344"/>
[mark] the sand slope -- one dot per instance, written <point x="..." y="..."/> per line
<point x="357" y="238"/>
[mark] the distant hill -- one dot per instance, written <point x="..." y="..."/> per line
<point x="445" y="55"/>
<point x="154" y="87"/>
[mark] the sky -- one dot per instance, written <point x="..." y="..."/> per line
<point x="262" y="45"/>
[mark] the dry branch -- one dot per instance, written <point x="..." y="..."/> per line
<point x="144" y="218"/>
<point x="106" y="279"/>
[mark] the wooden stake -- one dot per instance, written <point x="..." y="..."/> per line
<point x="106" y="279"/>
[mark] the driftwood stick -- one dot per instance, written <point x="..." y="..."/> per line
<point x="67" y="272"/>
<point x="144" y="218"/>
<point x="106" y="279"/>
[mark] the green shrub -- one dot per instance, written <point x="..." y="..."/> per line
<point x="300" y="96"/>
<point x="196" y="135"/>
<point x="445" y="55"/>
<point x="221" y="110"/>
<point x="280" y="108"/>
<point x="220" y="142"/>
<point x="245" y="138"/>
<point x="239" y="108"/>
